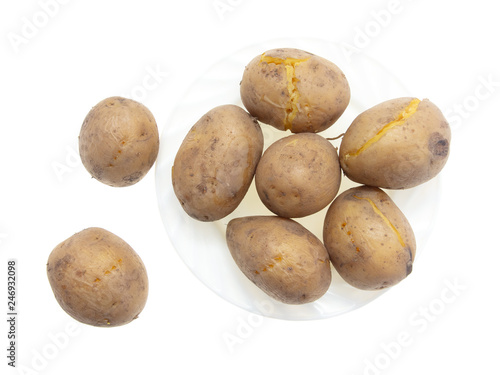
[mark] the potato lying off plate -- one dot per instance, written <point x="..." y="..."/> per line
<point x="281" y="257"/>
<point x="119" y="141"/>
<point x="98" y="279"/>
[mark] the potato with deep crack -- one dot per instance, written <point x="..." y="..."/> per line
<point x="294" y="90"/>
<point x="119" y="141"/>
<point x="281" y="257"/>
<point x="298" y="175"/>
<point x="215" y="164"/>
<point x="98" y="279"/>
<point x="370" y="241"/>
<point x="397" y="144"/>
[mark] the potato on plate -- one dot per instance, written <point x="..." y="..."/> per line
<point x="281" y="257"/>
<point x="370" y="241"/>
<point x="298" y="175"/>
<point x="397" y="144"/>
<point x="294" y="90"/>
<point x="216" y="162"/>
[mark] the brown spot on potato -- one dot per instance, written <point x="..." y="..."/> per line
<point x="202" y="188"/>
<point x="130" y="179"/>
<point x="438" y="145"/>
<point x="80" y="273"/>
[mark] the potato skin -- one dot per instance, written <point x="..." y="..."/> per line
<point x="98" y="279"/>
<point x="365" y="248"/>
<point x="119" y="141"/>
<point x="406" y="155"/>
<point x="298" y="175"/>
<point x="216" y="162"/>
<point x="281" y="257"/>
<point x="316" y="90"/>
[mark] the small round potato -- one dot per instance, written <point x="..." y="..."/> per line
<point x="98" y="279"/>
<point x="294" y="90"/>
<point x="119" y="141"/>
<point x="281" y="257"/>
<point x="370" y="242"/>
<point x="397" y="144"/>
<point x="298" y="175"/>
<point x="215" y="164"/>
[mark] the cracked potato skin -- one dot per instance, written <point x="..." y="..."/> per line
<point x="371" y="243"/>
<point x="315" y="90"/>
<point x="98" y="279"/>
<point x="119" y="141"/>
<point x="215" y="164"/>
<point x="407" y="155"/>
<point x="281" y="257"/>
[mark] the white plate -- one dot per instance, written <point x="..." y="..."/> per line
<point x="202" y="246"/>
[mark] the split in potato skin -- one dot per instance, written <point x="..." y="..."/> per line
<point x="398" y="144"/>
<point x="370" y="242"/>
<point x="294" y="90"/>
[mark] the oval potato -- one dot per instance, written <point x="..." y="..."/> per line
<point x="294" y="90"/>
<point x="281" y="257"/>
<point x="98" y="279"/>
<point x="397" y="144"/>
<point x="119" y="141"/>
<point x="216" y="162"/>
<point x="298" y="175"/>
<point x="370" y="241"/>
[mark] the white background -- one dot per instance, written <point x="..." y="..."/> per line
<point x="83" y="51"/>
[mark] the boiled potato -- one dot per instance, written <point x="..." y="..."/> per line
<point x="98" y="279"/>
<point x="370" y="241"/>
<point x="294" y="90"/>
<point x="119" y="141"/>
<point x="216" y="162"/>
<point x="298" y="175"/>
<point x="397" y="144"/>
<point x="281" y="257"/>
